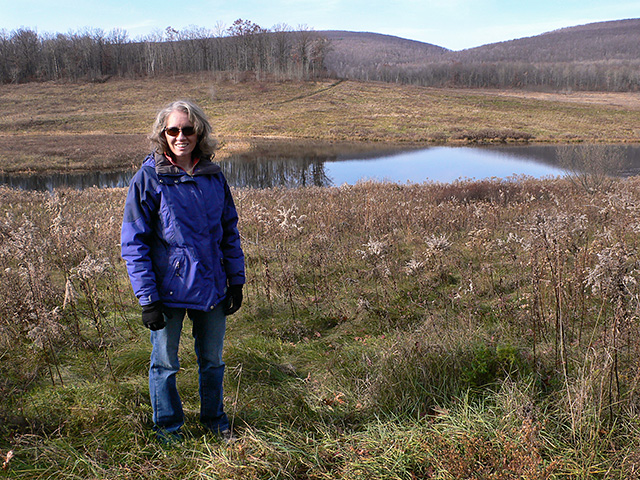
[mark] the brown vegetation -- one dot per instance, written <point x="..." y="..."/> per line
<point x="80" y="126"/>
<point x="594" y="42"/>
<point x="390" y="331"/>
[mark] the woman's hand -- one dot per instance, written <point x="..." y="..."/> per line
<point x="233" y="299"/>
<point x="152" y="316"/>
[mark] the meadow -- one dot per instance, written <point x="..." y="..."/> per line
<point x="479" y="329"/>
<point x="83" y="126"/>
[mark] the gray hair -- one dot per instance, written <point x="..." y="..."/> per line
<point x="206" y="143"/>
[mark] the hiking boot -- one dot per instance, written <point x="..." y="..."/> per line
<point x="169" y="439"/>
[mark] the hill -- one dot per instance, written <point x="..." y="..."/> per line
<point x="354" y="50"/>
<point x="594" y="42"/>
<point x="597" y="56"/>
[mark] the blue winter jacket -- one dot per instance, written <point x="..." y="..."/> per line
<point x="179" y="236"/>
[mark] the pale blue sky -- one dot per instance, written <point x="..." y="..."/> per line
<point x="453" y="24"/>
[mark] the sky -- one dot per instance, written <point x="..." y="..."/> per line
<point x="453" y="24"/>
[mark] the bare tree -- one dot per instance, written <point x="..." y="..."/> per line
<point x="26" y="55"/>
<point x="115" y="61"/>
<point x="5" y="55"/>
<point x="152" y="56"/>
<point x="281" y="47"/>
<point x="248" y="43"/>
<point x="591" y="167"/>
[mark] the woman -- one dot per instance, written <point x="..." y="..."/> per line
<point x="181" y="245"/>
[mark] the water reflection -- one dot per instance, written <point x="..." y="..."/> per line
<point x="445" y="164"/>
<point x="77" y="181"/>
<point x="440" y="164"/>
<point x="549" y="154"/>
<point x="276" y="171"/>
<point x="258" y="172"/>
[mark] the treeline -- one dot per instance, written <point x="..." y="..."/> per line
<point x="601" y="56"/>
<point x="612" y="76"/>
<point x="95" y="55"/>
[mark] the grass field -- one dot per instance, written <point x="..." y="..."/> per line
<point x="104" y="125"/>
<point x="480" y="329"/>
<point x="473" y="330"/>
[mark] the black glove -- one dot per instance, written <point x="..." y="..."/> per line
<point x="152" y="316"/>
<point x="233" y="299"/>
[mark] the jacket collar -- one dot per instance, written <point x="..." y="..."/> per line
<point x="204" y="167"/>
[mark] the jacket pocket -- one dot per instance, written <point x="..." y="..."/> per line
<point x="177" y="281"/>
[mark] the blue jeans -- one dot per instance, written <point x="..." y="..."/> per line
<point x="208" y="333"/>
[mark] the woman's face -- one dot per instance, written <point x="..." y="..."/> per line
<point x="181" y="145"/>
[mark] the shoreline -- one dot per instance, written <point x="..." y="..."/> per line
<point x="53" y="127"/>
<point x="284" y="148"/>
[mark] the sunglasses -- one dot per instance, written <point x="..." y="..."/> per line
<point x="175" y="131"/>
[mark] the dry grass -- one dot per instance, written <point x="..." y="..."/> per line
<point x="479" y="329"/>
<point x="85" y="126"/>
<point x="469" y="330"/>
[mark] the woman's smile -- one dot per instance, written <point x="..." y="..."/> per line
<point x="181" y="145"/>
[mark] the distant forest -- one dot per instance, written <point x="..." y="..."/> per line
<point x="245" y="50"/>
<point x="601" y="56"/>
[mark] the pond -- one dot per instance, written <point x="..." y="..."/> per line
<point x="433" y="164"/>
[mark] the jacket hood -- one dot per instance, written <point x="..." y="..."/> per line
<point x="163" y="166"/>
